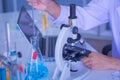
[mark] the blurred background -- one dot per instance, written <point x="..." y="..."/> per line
<point x="9" y="11"/>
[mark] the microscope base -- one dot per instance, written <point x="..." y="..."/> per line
<point x="67" y="75"/>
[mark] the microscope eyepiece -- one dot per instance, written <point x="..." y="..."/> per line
<point x="72" y="11"/>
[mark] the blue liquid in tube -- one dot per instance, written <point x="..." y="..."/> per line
<point x="33" y="74"/>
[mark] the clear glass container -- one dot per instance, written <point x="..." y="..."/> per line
<point x="35" y="68"/>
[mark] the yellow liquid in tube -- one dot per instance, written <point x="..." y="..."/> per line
<point x="44" y="20"/>
<point x="7" y="74"/>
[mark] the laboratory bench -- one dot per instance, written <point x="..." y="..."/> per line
<point x="93" y="74"/>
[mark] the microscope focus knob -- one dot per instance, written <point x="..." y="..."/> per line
<point x="70" y="40"/>
<point x="75" y="30"/>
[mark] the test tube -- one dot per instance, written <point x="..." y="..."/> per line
<point x="45" y="26"/>
<point x="44" y="20"/>
<point x="8" y="37"/>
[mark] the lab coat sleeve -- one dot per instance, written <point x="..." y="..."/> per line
<point x="90" y="16"/>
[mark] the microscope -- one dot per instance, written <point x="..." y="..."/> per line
<point x="70" y="49"/>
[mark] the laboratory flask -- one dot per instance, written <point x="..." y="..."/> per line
<point x="35" y="68"/>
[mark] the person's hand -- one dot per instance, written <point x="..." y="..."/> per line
<point x="97" y="61"/>
<point x="46" y="5"/>
<point x="39" y="4"/>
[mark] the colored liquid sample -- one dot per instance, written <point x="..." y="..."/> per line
<point x="2" y="73"/>
<point x="36" y="71"/>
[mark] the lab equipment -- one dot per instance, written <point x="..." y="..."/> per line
<point x="8" y="37"/>
<point x="7" y="74"/>
<point x="45" y="27"/>
<point x="8" y="63"/>
<point x="19" y="72"/>
<point x="70" y="48"/>
<point x="36" y="69"/>
<point x="44" y="20"/>
<point x="25" y="24"/>
<point x="13" y="56"/>
<point x="2" y="73"/>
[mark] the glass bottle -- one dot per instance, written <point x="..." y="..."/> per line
<point x="36" y="70"/>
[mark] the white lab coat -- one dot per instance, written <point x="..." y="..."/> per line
<point x="95" y="13"/>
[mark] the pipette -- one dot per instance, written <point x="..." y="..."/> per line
<point x="34" y="30"/>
